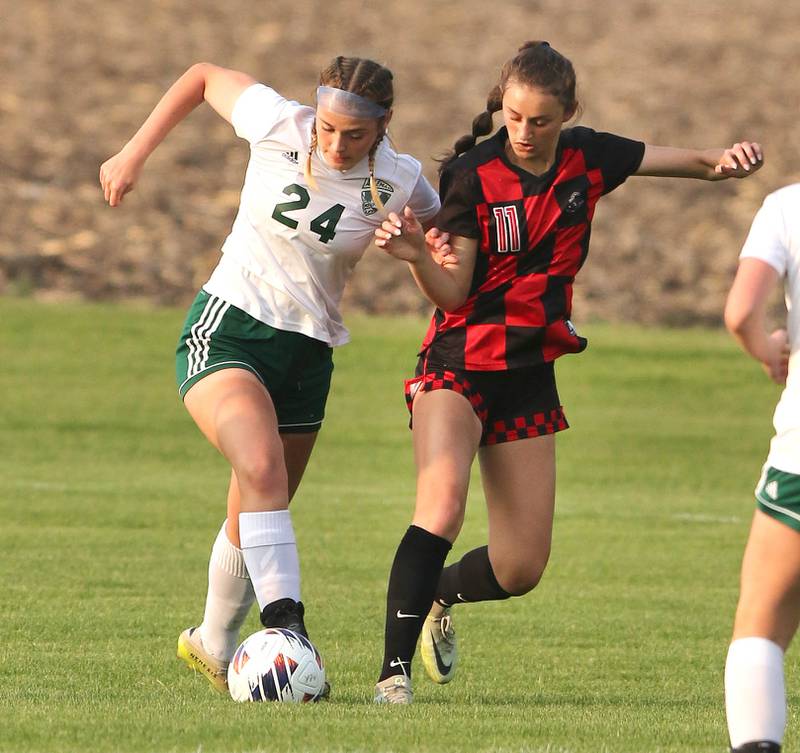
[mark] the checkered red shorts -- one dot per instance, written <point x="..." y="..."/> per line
<point x="512" y="404"/>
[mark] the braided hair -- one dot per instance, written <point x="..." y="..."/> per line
<point x="536" y="64"/>
<point x="370" y="80"/>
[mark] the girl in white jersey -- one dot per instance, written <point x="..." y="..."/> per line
<point x="769" y="602"/>
<point x="254" y="360"/>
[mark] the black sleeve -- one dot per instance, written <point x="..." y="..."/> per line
<point x="458" y="215"/>
<point x="615" y="156"/>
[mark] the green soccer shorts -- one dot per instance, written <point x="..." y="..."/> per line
<point x="295" y="369"/>
<point x="778" y="495"/>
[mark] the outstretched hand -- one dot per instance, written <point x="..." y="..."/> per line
<point x="741" y="160"/>
<point x="118" y="176"/>
<point x="403" y="238"/>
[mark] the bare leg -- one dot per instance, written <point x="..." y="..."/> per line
<point x="766" y="620"/>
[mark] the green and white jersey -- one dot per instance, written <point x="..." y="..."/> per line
<point x="291" y="249"/>
<point x="775" y="238"/>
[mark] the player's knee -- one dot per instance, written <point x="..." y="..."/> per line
<point x="522" y="577"/>
<point x="262" y="476"/>
<point x="444" y="518"/>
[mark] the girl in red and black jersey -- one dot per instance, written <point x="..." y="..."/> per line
<point x="518" y="208"/>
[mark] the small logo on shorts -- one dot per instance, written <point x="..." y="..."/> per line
<point x="772" y="489"/>
<point x="385" y="191"/>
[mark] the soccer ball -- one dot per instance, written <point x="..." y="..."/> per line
<point x="276" y="665"/>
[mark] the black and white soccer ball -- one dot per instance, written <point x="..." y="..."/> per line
<point x="276" y="664"/>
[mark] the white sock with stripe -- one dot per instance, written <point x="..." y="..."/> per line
<point x="755" y="698"/>
<point x="229" y="598"/>
<point x="270" y="551"/>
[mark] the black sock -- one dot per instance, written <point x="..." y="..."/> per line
<point x="412" y="585"/>
<point x="470" y="579"/>
<point x="758" y="746"/>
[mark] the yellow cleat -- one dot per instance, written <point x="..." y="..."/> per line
<point x="191" y="651"/>
<point x="438" y="645"/>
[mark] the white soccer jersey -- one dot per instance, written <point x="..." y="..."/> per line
<point x="775" y="238"/>
<point x="291" y="249"/>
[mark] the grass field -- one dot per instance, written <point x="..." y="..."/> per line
<point x="110" y="501"/>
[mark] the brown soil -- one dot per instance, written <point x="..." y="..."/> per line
<point x="80" y="76"/>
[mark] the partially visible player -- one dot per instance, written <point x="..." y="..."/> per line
<point x="518" y="207"/>
<point x="254" y="361"/>
<point x="769" y="602"/>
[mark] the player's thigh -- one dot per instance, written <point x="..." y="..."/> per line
<point x="769" y="600"/>
<point x="234" y="411"/>
<point x="519" y="483"/>
<point x="446" y="433"/>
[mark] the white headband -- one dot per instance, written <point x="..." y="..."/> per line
<point x="347" y="103"/>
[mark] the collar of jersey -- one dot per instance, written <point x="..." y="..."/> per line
<point x="500" y="145"/>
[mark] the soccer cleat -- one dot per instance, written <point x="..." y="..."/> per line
<point x="288" y="613"/>
<point x="758" y="746"/>
<point x="438" y="647"/>
<point x="395" y="689"/>
<point x="285" y="613"/>
<point x="191" y="651"/>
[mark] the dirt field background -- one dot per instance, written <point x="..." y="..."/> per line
<point x="79" y="76"/>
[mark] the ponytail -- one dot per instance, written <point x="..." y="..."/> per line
<point x="482" y="125"/>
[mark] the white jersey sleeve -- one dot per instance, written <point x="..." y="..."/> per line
<point x="257" y="111"/>
<point x="767" y="239"/>
<point x="424" y="200"/>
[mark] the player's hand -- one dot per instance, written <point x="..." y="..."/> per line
<point x="119" y="175"/>
<point x="401" y="236"/>
<point x="742" y="159"/>
<point x="439" y="247"/>
<point x="777" y="363"/>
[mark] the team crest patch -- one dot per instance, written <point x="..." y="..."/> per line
<point x="574" y="202"/>
<point x="385" y="191"/>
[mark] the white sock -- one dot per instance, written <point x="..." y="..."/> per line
<point x="755" y="699"/>
<point x="230" y="595"/>
<point x="270" y="551"/>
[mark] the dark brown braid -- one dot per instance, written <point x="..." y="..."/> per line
<point x="536" y="64"/>
<point x="370" y="80"/>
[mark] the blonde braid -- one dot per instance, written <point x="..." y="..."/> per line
<point x="310" y="179"/>
<point x="373" y="185"/>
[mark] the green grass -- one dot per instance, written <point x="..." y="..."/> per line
<point x="110" y="500"/>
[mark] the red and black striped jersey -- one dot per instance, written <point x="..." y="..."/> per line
<point x="533" y="237"/>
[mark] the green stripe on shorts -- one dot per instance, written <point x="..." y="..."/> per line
<point x="778" y="495"/>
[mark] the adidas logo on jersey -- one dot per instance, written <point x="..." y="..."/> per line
<point x="772" y="489"/>
<point x="385" y="191"/>
<point x="291" y="156"/>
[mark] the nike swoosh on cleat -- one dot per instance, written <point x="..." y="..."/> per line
<point x="443" y="668"/>
<point x="400" y="615"/>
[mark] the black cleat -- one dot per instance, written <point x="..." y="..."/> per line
<point x="285" y="613"/>
<point x="758" y="746"/>
<point x="288" y="613"/>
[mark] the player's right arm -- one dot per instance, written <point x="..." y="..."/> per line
<point x="203" y="82"/>
<point x="746" y="316"/>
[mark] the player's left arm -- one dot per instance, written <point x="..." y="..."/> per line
<point x="746" y="317"/>
<point x="739" y="161"/>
